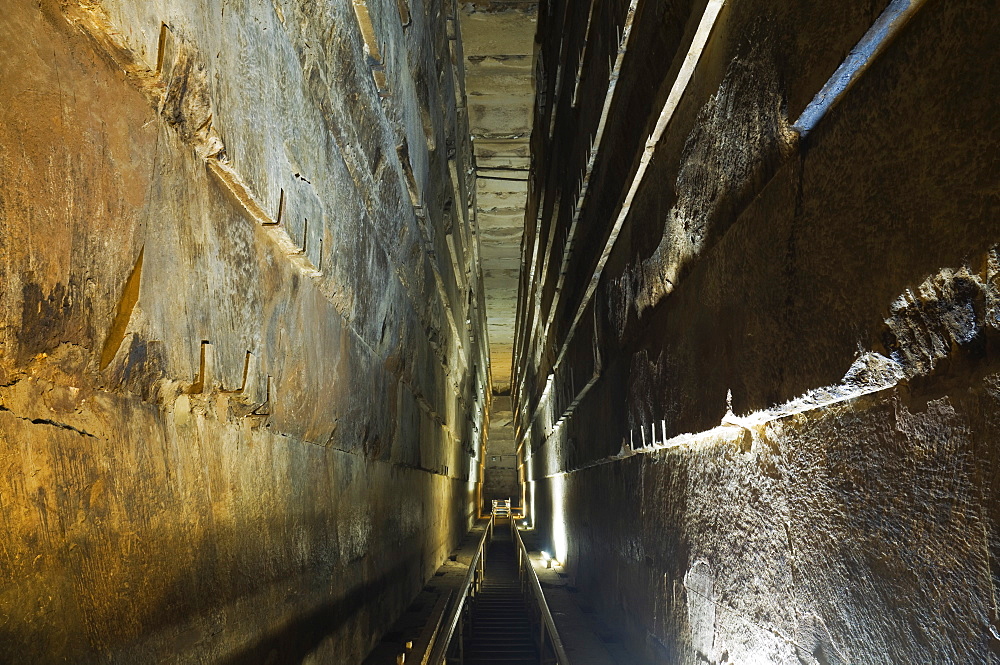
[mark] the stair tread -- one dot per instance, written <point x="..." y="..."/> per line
<point x="501" y="631"/>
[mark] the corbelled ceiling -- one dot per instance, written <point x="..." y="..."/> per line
<point x="498" y="40"/>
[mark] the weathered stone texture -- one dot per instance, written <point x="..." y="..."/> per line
<point x="240" y="402"/>
<point x="786" y="451"/>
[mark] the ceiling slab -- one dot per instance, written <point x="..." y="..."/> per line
<point x="498" y="40"/>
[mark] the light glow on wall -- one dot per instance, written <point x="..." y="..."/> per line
<point x="559" y="540"/>
<point x="529" y="497"/>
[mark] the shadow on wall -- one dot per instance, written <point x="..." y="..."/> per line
<point x="161" y="566"/>
<point x="304" y="634"/>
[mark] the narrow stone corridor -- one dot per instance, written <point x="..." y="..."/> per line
<point x="292" y="294"/>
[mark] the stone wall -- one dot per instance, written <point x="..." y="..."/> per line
<point x="765" y="431"/>
<point x="242" y="373"/>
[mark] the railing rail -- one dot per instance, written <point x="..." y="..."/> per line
<point x="548" y="634"/>
<point x="469" y="589"/>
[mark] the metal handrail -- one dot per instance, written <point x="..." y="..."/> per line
<point x="470" y="586"/>
<point x="548" y="627"/>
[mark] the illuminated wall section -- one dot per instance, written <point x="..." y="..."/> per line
<point x="757" y="368"/>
